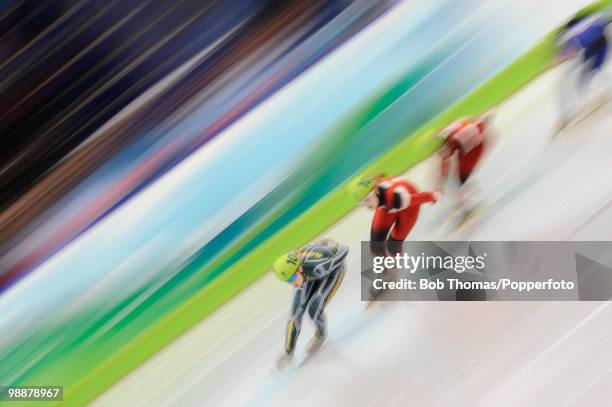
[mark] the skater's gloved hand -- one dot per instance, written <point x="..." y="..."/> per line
<point x="437" y="194"/>
<point x="439" y="191"/>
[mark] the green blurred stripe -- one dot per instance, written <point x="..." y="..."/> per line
<point x="313" y="222"/>
<point x="316" y="220"/>
<point x="69" y="360"/>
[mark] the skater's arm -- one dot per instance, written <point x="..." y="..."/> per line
<point x="422" y="197"/>
<point x="291" y="336"/>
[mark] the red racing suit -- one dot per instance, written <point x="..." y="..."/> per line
<point x="398" y="209"/>
<point x="466" y="137"/>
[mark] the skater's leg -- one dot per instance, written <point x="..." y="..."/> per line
<point x="402" y="228"/>
<point x="569" y="87"/>
<point x="596" y="77"/>
<point x="327" y="289"/>
<point x="594" y="59"/>
<point x="469" y="196"/>
<point x="468" y="193"/>
<point x="300" y="301"/>
<point x="394" y="246"/>
<point x="381" y="225"/>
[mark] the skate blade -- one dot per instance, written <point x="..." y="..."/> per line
<point x="372" y="301"/>
<point x="369" y="305"/>
<point x="283" y="365"/>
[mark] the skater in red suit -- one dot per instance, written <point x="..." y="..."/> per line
<point x="466" y="139"/>
<point x="396" y="204"/>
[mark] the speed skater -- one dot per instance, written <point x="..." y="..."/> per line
<point x="316" y="271"/>
<point x="466" y="139"/>
<point x="396" y="204"/>
<point x="584" y="40"/>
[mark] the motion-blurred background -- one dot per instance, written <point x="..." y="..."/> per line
<point x="149" y="147"/>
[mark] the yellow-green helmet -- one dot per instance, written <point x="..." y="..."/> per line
<point x="286" y="266"/>
<point x="361" y="186"/>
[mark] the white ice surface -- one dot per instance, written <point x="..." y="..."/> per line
<point x="426" y="353"/>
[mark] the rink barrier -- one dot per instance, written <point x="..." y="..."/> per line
<point x="415" y="148"/>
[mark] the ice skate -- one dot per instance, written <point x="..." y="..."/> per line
<point x="284" y="360"/>
<point x="315" y="343"/>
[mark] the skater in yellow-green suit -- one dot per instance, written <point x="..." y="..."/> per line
<point x="316" y="271"/>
